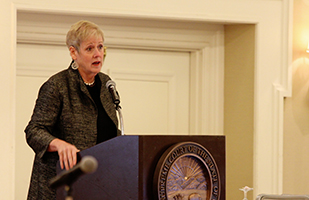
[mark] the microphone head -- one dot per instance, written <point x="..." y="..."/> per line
<point x="110" y="83"/>
<point x="88" y="164"/>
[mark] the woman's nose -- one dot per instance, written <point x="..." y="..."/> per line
<point x="98" y="52"/>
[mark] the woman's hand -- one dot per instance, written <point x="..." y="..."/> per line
<point x="66" y="151"/>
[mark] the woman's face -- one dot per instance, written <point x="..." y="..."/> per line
<point x="90" y="56"/>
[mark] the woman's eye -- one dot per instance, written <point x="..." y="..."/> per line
<point x="100" y="47"/>
<point x="88" y="49"/>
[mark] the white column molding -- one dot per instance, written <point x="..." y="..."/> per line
<point x="268" y="150"/>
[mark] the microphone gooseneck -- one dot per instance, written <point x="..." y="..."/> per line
<point x="111" y="86"/>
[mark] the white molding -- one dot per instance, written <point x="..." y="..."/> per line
<point x="277" y="138"/>
<point x="195" y="90"/>
<point x="207" y="92"/>
<point x="10" y="155"/>
<point x="219" y="18"/>
<point x="281" y="90"/>
<point x="274" y="138"/>
<point x="213" y="87"/>
<point x="45" y="28"/>
<point x="285" y="86"/>
<point x="35" y="71"/>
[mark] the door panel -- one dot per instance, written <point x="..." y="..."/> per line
<point x="154" y="89"/>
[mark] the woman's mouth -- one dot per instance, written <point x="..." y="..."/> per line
<point x="96" y="63"/>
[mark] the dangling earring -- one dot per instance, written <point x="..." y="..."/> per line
<point x="104" y="52"/>
<point x="74" y="65"/>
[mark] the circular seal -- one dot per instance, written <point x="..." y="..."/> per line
<point x="187" y="171"/>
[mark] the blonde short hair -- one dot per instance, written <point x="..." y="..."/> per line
<point x="80" y="31"/>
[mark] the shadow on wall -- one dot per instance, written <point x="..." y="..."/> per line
<point x="300" y="96"/>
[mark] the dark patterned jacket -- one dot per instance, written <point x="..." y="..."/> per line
<point x="64" y="109"/>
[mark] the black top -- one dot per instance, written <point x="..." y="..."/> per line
<point x="106" y="127"/>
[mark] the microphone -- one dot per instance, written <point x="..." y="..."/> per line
<point x="111" y="86"/>
<point x="88" y="164"/>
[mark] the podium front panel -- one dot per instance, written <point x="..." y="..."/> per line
<point x="127" y="165"/>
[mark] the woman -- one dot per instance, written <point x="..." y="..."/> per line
<point x="73" y="111"/>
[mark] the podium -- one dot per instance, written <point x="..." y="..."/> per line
<point x="129" y="167"/>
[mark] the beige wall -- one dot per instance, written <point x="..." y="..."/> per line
<point x="238" y="107"/>
<point x="271" y="18"/>
<point x="296" y="110"/>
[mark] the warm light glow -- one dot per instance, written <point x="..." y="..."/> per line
<point x="307" y="50"/>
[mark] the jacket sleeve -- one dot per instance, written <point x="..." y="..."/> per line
<point x="44" y="117"/>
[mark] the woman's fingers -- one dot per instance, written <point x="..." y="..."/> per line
<point x="73" y="161"/>
<point x="61" y="160"/>
<point x="65" y="159"/>
<point x="69" y="156"/>
<point x="66" y="151"/>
